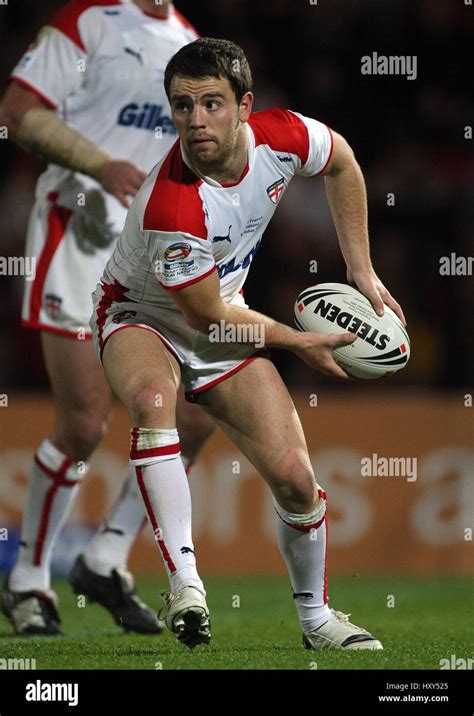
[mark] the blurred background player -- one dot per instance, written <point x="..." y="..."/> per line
<point x="87" y="96"/>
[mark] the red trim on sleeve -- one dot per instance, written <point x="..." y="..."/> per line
<point x="188" y="283"/>
<point x="45" y="100"/>
<point x="174" y="203"/>
<point x="282" y="131"/>
<point x="66" y="18"/>
<point x="330" y="152"/>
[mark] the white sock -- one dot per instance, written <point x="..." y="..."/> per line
<point x="53" y="485"/>
<point x="302" y="540"/>
<point x="155" y="454"/>
<point x="110" y="547"/>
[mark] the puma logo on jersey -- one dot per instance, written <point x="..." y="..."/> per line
<point x="223" y="238"/>
<point x="146" y="116"/>
<point x="138" y="54"/>
<point x="186" y="550"/>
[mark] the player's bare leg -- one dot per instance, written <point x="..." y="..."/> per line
<point x="254" y="408"/>
<point x="146" y="378"/>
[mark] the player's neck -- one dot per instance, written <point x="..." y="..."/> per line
<point x="231" y="171"/>
<point x="155" y="8"/>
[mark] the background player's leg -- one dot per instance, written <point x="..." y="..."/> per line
<point x="82" y="403"/>
<point x="255" y="409"/>
<point x="146" y="378"/>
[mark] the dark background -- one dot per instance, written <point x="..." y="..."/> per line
<point x="408" y="136"/>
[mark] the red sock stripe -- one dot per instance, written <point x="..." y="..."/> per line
<point x="153" y="520"/>
<point x="307" y="528"/>
<point x="58" y="476"/>
<point x="58" y="481"/>
<point x="137" y="454"/>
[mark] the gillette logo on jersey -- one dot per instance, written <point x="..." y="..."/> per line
<point x="146" y="116"/>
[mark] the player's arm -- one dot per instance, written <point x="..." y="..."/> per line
<point x="347" y="198"/>
<point x="41" y="131"/>
<point x="202" y="306"/>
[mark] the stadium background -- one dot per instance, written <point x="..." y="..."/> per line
<point x="409" y="139"/>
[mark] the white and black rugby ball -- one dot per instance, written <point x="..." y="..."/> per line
<point x="382" y="346"/>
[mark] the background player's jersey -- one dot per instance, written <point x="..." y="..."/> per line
<point x="181" y="227"/>
<point x="100" y="64"/>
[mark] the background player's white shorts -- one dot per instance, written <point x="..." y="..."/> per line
<point x="68" y="266"/>
<point x="203" y="363"/>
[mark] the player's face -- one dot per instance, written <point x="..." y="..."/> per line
<point x="208" y="119"/>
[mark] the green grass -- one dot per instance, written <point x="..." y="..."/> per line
<point x="430" y="620"/>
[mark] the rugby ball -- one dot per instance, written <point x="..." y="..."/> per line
<point x="382" y="346"/>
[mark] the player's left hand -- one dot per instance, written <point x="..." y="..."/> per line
<point x="372" y="287"/>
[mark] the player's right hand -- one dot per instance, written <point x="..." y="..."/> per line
<point x="122" y="179"/>
<point x="316" y="350"/>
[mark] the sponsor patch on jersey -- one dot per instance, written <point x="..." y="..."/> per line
<point x="276" y="190"/>
<point x="181" y="269"/>
<point x="146" y="116"/>
<point x="178" y="251"/>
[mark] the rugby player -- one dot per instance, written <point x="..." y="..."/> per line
<point x="172" y="279"/>
<point x="88" y="97"/>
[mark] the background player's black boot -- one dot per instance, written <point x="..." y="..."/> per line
<point x="32" y="613"/>
<point x="117" y="594"/>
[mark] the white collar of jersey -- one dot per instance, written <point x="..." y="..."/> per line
<point x="213" y="182"/>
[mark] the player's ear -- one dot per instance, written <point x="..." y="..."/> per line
<point x="245" y="107"/>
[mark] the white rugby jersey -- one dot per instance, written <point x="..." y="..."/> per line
<point x="101" y="64"/>
<point x="181" y="226"/>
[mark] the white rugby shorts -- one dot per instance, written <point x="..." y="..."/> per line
<point x="203" y="363"/>
<point x="69" y="264"/>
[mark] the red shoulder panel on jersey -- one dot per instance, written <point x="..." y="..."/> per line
<point x="174" y="203"/>
<point x="282" y="131"/>
<point x="185" y="22"/>
<point x="66" y="18"/>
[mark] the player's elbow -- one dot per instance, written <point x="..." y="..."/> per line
<point x="198" y="321"/>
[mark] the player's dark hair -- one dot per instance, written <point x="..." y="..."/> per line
<point x="211" y="57"/>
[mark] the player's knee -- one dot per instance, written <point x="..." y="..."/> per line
<point x="296" y="485"/>
<point x="81" y="431"/>
<point x="150" y="402"/>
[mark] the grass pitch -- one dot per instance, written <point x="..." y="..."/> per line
<point x="254" y="626"/>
